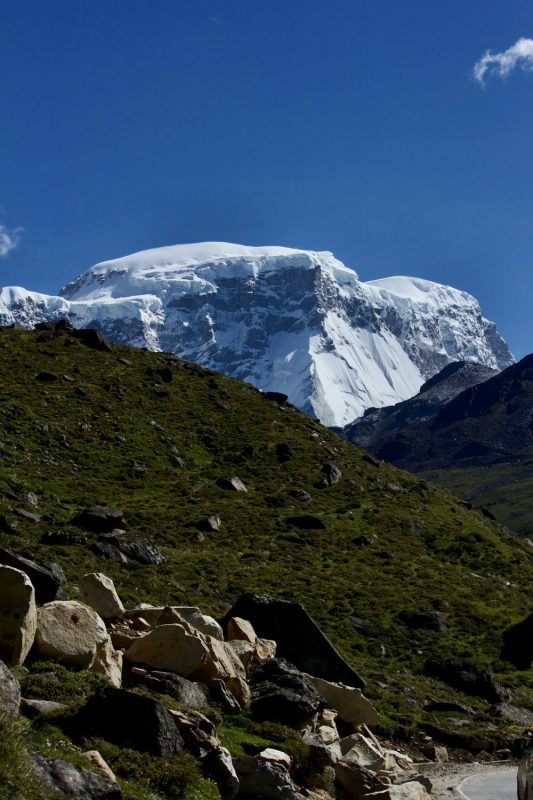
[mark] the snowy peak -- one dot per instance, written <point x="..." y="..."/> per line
<point x="296" y="321"/>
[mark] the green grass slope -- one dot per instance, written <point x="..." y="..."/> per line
<point x="108" y="431"/>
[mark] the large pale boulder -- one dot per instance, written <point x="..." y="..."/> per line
<point x="349" y="702"/>
<point x="98" y="591"/>
<point x="224" y="662"/>
<point x="69" y="632"/>
<point x="172" y="648"/>
<point x="362" y="751"/>
<point x="18" y="615"/>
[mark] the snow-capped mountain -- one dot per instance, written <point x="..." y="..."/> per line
<point x="295" y="321"/>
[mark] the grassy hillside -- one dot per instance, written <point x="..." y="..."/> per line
<point x="152" y="435"/>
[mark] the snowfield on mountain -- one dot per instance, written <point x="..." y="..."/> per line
<point x="294" y="321"/>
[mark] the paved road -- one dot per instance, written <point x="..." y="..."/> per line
<point x="496" y="785"/>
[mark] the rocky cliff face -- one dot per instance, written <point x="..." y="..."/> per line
<point x="295" y="321"/>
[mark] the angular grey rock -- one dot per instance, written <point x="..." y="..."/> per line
<point x="40" y="708"/>
<point x="282" y="694"/>
<point x="263" y="779"/>
<point x="232" y="484"/>
<point x="98" y="591"/>
<point x="218" y="766"/>
<point x="9" y="692"/>
<point x="81" y="784"/>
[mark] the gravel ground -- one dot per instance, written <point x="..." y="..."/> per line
<point x="446" y="777"/>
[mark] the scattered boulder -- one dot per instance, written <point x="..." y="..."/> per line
<point x="98" y="591"/>
<point x="357" y="781"/>
<point x="298" y="637"/>
<point x="232" y="484"/>
<point x="307" y="522"/>
<point x="18" y="615"/>
<point x="331" y="475"/>
<point x="281" y="693"/>
<point x="100" y="519"/>
<point x="363" y="626"/>
<point x="168" y="615"/>
<point x="350" y="704"/>
<point x="98" y="762"/>
<point x="283" y="452"/>
<point x="412" y="790"/>
<point x="92" y="338"/>
<point x="212" y="523"/>
<point x="518" y="644"/>
<point x="9" y="692"/>
<point x="465" y="677"/>
<point x="45" y="583"/>
<point x="301" y="495"/>
<point x="69" y="632"/>
<point x="108" y="662"/>
<point x="424" y="620"/>
<point x="142" y="550"/>
<point x="172" y="648"/>
<point x="73" y="782"/>
<point x="46" y="377"/>
<point x="40" y="708"/>
<point x="242" y="630"/>
<point x="276" y="397"/>
<point x="108" y="550"/>
<point x="188" y="693"/>
<point x="218" y="766"/>
<point x="275" y="757"/>
<point x="130" y="720"/>
<point x="63" y="538"/>
<point x="263" y="779"/>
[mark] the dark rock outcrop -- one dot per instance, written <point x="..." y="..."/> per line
<point x="281" y="693"/>
<point x="518" y="644"/>
<point x="100" y="519"/>
<point x="298" y="637"/>
<point x="130" y="720"/>
<point x="465" y="677"/>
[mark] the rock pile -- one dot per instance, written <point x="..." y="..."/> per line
<point x="180" y="652"/>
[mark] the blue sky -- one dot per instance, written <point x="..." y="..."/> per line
<point x="349" y="125"/>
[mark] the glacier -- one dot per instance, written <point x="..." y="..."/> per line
<point x="295" y="321"/>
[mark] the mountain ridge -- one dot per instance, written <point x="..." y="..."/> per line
<point x="296" y="321"/>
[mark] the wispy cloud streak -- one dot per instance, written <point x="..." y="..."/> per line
<point x="9" y="240"/>
<point x="518" y="56"/>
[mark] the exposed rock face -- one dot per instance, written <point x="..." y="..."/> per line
<point x="9" y="692"/>
<point x="298" y="637"/>
<point x="295" y="321"/>
<point x="98" y="591"/>
<point x="130" y="720"/>
<point x="190" y="694"/>
<point x="79" y="783"/>
<point x="69" y="632"/>
<point x="18" y="615"/>
<point x="424" y="620"/>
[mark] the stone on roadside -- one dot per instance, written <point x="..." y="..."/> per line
<point x="98" y="591"/>
<point x="18" y="615"/>
<point x="349" y="702"/>
<point x="413" y="790"/>
<point x="69" y="632"/>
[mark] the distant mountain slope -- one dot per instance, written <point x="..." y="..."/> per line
<point x="478" y="442"/>
<point x="295" y="321"/>
<point x="359" y="545"/>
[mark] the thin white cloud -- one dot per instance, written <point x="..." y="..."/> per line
<point x="9" y="240"/>
<point x="518" y="56"/>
